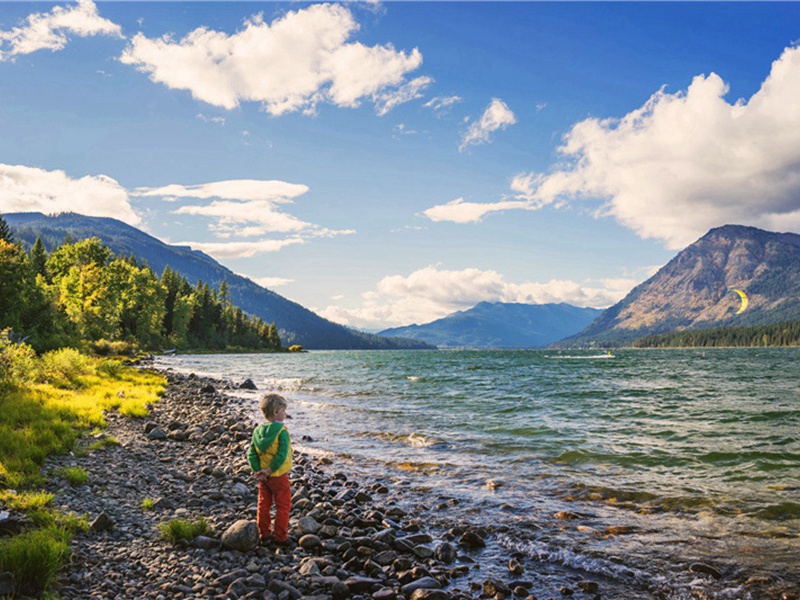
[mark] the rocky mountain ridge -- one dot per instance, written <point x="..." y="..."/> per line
<point x="695" y="289"/>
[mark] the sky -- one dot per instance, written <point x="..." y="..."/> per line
<point x="389" y="163"/>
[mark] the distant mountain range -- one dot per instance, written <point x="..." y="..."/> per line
<point x="296" y="324"/>
<point x="694" y="290"/>
<point x="501" y="325"/>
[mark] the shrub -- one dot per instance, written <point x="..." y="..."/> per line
<point x="16" y="362"/>
<point x="33" y="558"/>
<point x="65" y="368"/>
<point x="184" y="530"/>
<point x="109" y="348"/>
<point x="296" y="348"/>
<point x="147" y="504"/>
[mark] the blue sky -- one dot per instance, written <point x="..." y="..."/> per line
<point x="390" y="163"/>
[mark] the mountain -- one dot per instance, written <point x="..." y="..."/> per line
<point x="296" y="324"/>
<point x="694" y="290"/>
<point x="501" y="325"/>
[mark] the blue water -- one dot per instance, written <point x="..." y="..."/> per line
<point x="660" y="457"/>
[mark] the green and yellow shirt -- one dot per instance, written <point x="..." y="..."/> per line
<point x="271" y="449"/>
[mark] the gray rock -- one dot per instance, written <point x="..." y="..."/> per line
<point x="242" y="536"/>
<point x="157" y="434"/>
<point x="446" y="553"/>
<point x="102" y="523"/>
<point x="357" y="585"/>
<point x="309" y="541"/>
<point x="472" y="540"/>
<point x="248" y="384"/>
<point x="205" y="543"/>
<point x="308" y="525"/>
<point x="425" y="583"/>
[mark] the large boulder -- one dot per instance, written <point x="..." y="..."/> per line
<point x="242" y="535"/>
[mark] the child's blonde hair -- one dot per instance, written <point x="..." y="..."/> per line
<point x="272" y="403"/>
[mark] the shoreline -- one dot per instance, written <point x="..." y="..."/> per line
<point x="367" y="542"/>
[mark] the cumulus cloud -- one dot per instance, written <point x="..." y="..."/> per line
<point x="497" y="116"/>
<point x="680" y="164"/>
<point x="291" y="64"/>
<point x="51" y="31"/>
<point x="29" y="189"/>
<point x="244" y="208"/>
<point x="432" y="293"/>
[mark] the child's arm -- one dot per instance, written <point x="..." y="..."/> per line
<point x="252" y="455"/>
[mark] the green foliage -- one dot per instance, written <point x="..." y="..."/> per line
<point x="65" y="368"/>
<point x="147" y="504"/>
<point x="5" y="232"/>
<point x="75" y="475"/>
<point x="184" y="530"/>
<point x="296" y="348"/>
<point x="17" y="361"/>
<point x="780" y="334"/>
<point x="34" y="557"/>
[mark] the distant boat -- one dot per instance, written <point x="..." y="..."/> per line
<point x="170" y="352"/>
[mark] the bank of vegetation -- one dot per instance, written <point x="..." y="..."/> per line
<point x="779" y="334"/>
<point x="47" y="402"/>
<point x="82" y="295"/>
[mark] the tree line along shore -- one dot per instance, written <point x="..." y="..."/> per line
<point x="81" y="295"/>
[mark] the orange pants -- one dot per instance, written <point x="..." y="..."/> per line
<point x="274" y="491"/>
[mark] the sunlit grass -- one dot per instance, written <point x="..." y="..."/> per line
<point x="42" y="414"/>
<point x="75" y="475"/>
<point x="147" y="504"/>
<point x="182" y="529"/>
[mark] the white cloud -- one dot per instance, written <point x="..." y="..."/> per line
<point x="242" y="249"/>
<point x="684" y="162"/>
<point x="49" y="31"/>
<point x="432" y="293"/>
<point x="29" y="189"/>
<point x="497" y="116"/>
<point x="244" y="208"/>
<point x="386" y="101"/>
<point x="292" y="64"/>
<point x="270" y="282"/>
<point x="441" y="105"/>
<point x="266" y="190"/>
<point x="460" y="211"/>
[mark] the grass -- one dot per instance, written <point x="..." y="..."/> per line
<point x="75" y="475"/>
<point x="63" y="395"/>
<point x="147" y="504"/>
<point x="34" y="557"/>
<point x="178" y="530"/>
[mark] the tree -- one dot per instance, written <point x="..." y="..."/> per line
<point x="13" y="272"/>
<point x="5" y="231"/>
<point x="38" y="258"/>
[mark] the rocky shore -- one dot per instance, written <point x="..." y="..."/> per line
<point x="348" y="539"/>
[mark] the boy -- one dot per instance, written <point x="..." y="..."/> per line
<point x="270" y="457"/>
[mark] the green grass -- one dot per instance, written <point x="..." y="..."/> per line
<point x="34" y="557"/>
<point x="147" y="504"/>
<point x="182" y="529"/>
<point x="45" y="405"/>
<point x="75" y="475"/>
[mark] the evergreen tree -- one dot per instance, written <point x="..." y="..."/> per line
<point x="38" y="258"/>
<point x="5" y="231"/>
